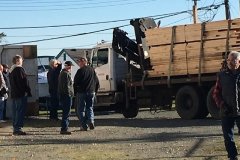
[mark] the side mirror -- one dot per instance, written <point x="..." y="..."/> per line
<point x="107" y="77"/>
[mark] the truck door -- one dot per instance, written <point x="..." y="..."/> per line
<point x="102" y="63"/>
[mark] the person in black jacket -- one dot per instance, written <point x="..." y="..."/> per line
<point x="226" y="95"/>
<point x="66" y="93"/>
<point x="3" y="93"/>
<point x="86" y="85"/>
<point x="20" y="90"/>
<point x="5" y="76"/>
<point x="52" y="77"/>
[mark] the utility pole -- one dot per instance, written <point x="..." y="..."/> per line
<point x="195" y="16"/>
<point x="227" y="10"/>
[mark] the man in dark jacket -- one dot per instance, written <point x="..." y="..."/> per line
<point x="52" y="77"/>
<point x="5" y="76"/>
<point x="86" y="84"/>
<point x="65" y="89"/>
<point x="20" y="90"/>
<point x="226" y="96"/>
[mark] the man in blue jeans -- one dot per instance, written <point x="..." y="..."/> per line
<point x="65" y="89"/>
<point x="86" y="84"/>
<point x="226" y="95"/>
<point x="20" y="90"/>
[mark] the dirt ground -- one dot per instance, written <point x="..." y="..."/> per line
<point x="161" y="136"/>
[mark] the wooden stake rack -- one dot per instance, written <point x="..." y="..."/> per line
<point x="193" y="49"/>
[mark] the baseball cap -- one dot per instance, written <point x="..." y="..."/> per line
<point x="68" y="63"/>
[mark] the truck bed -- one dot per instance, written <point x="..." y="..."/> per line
<point x="191" y="49"/>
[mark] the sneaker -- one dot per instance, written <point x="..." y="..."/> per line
<point x="91" y="126"/>
<point x="65" y="132"/>
<point x="19" y="133"/>
<point x="83" y="129"/>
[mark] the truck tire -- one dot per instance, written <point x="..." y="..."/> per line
<point x="211" y="105"/>
<point x="203" y="112"/>
<point x="188" y="102"/>
<point x="132" y="110"/>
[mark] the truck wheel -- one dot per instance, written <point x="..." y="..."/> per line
<point x="188" y="102"/>
<point x="132" y="110"/>
<point x="203" y="112"/>
<point x="211" y="105"/>
<point x="118" y="107"/>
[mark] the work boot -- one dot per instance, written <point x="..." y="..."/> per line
<point x="65" y="132"/>
<point x="19" y="133"/>
<point x="91" y="126"/>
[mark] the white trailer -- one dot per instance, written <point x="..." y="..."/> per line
<point x="29" y="54"/>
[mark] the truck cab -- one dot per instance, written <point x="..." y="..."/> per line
<point x="111" y="68"/>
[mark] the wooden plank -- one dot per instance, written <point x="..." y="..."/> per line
<point x="217" y="25"/>
<point x="186" y="54"/>
<point x="159" y="36"/>
<point x="192" y="32"/>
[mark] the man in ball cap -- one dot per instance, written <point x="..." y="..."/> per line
<point x="86" y="84"/>
<point x="65" y="90"/>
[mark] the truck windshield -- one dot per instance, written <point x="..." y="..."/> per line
<point x="100" y="57"/>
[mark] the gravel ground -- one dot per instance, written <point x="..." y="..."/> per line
<point x="147" y="137"/>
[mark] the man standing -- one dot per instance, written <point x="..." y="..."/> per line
<point x="86" y="84"/>
<point x="19" y="91"/>
<point x="3" y="94"/>
<point x="5" y="76"/>
<point x="65" y="89"/>
<point x="52" y="77"/>
<point x="226" y="95"/>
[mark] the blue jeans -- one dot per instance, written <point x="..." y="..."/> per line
<point x="18" y="112"/>
<point x="54" y="106"/>
<point x="85" y="108"/>
<point x="1" y="107"/>
<point x="66" y="102"/>
<point x="228" y="134"/>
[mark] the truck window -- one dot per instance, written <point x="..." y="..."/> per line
<point x="100" y="57"/>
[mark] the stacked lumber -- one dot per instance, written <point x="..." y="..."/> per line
<point x="187" y="47"/>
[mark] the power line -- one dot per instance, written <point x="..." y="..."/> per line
<point x="58" y="4"/>
<point x="61" y="37"/>
<point x="90" y="23"/>
<point x="76" y="8"/>
<point x="74" y="35"/>
<point x="79" y="34"/>
<point x="177" y="21"/>
<point x="102" y="22"/>
<point x="86" y="45"/>
<point x="39" y="2"/>
<point x="65" y="25"/>
<point x="48" y="35"/>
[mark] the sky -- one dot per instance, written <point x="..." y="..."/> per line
<point x="42" y="13"/>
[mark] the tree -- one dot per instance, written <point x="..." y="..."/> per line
<point x="1" y="36"/>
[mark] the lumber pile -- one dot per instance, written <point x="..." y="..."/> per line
<point x="187" y="44"/>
